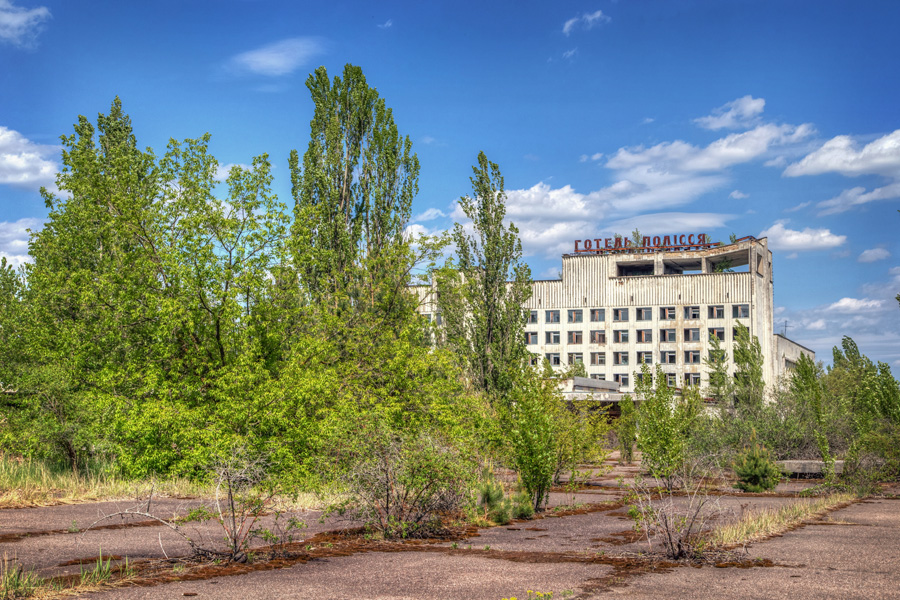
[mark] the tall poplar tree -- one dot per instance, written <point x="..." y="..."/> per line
<point x="353" y="198"/>
<point x="482" y="301"/>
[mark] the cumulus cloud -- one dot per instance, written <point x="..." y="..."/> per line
<point x="817" y="325"/>
<point x="733" y="149"/>
<point x="25" y="163"/>
<point x="873" y="254"/>
<point x="222" y="171"/>
<point x="737" y="113"/>
<point x="21" y="26"/>
<point x="855" y="305"/>
<point x="857" y="196"/>
<point x="277" y="59"/>
<point x="585" y="21"/>
<point x="738" y="195"/>
<point x="782" y="238"/>
<point x="843" y="155"/>
<point x="14" y="238"/>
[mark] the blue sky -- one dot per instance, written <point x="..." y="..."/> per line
<point x="775" y="119"/>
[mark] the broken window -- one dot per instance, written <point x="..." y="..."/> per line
<point x="644" y="335"/>
<point x="552" y="337"/>
<point x="552" y="316"/>
<point x="644" y="314"/>
<point x="598" y="315"/>
<point x="620" y="314"/>
<point x="691" y="312"/>
<point x="620" y="336"/>
<point x="575" y="358"/>
<point x="692" y="357"/>
<point x="598" y="336"/>
<point x="667" y="335"/>
<point x="718" y="332"/>
<point x="645" y="358"/>
<point x="692" y="335"/>
<point x="667" y="357"/>
<point x="667" y="313"/>
<point x="553" y="357"/>
<point x="575" y="316"/>
<point x="575" y="337"/>
<point x="620" y="358"/>
<point x="740" y="311"/>
<point x="716" y="312"/>
<point x="598" y="358"/>
<point x="533" y="317"/>
<point x="531" y="337"/>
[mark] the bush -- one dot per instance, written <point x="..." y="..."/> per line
<point x="400" y="487"/>
<point x="534" y="449"/>
<point x="626" y="429"/>
<point x="755" y="470"/>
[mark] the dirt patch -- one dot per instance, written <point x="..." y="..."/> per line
<point x="15" y="537"/>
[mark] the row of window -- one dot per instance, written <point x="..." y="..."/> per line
<point x="666" y="313"/>
<point x="690" y="379"/>
<point x="621" y="336"/>
<point x="666" y="357"/>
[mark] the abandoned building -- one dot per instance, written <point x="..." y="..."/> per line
<point x="618" y="305"/>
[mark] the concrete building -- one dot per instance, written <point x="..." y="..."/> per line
<point x="617" y="305"/>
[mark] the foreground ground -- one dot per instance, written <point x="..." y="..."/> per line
<point x="853" y="552"/>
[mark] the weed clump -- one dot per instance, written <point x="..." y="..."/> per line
<point x="755" y="469"/>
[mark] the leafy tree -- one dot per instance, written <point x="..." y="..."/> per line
<point x="721" y="386"/>
<point x="749" y="386"/>
<point x="663" y="426"/>
<point x="482" y="300"/>
<point x="353" y="198"/>
<point x="532" y="431"/>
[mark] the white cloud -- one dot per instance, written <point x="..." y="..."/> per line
<point x="21" y="26"/>
<point x="873" y="254"/>
<point x="570" y="53"/>
<point x="842" y="154"/>
<point x="797" y="207"/>
<point x="737" y="113"/>
<point x="817" y="325"/>
<point x="782" y="238"/>
<point x="387" y="24"/>
<point x="25" y="163"/>
<point x="647" y="120"/>
<point x="428" y="140"/>
<point x="733" y="149"/>
<point x="429" y="215"/>
<point x="857" y="196"/>
<point x="738" y="195"/>
<point x="587" y="21"/>
<point x="14" y="238"/>
<point x="279" y="58"/>
<point x="855" y="305"/>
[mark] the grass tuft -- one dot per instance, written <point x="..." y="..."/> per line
<point x="760" y="524"/>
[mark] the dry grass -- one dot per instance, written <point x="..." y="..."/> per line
<point x="757" y="525"/>
<point x="25" y="483"/>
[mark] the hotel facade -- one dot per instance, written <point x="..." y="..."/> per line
<point x="617" y="306"/>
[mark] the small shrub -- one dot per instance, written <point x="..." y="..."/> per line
<point x="522" y="508"/>
<point x="755" y="470"/>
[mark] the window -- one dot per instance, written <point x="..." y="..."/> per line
<point x="620" y="358"/>
<point x="740" y="311"/>
<point x="598" y="358"/>
<point x="426" y="317"/>
<point x="598" y="336"/>
<point x="644" y="335"/>
<point x="645" y="358"/>
<point x="667" y="313"/>
<point x="639" y="376"/>
<point x="671" y="380"/>
<point x="598" y="315"/>
<point x="551" y="316"/>
<point x="532" y="317"/>
<point x="716" y="357"/>
<point x="692" y="357"/>
<point x="667" y="357"/>
<point x="600" y="376"/>
<point x="553" y="357"/>
<point x="552" y="337"/>
<point x="575" y="358"/>
<point x="620" y="314"/>
<point x="575" y="337"/>
<point x="717" y="312"/>
<point x="692" y="379"/>
<point x="531" y="337"/>
<point x="667" y="335"/>
<point x="575" y="316"/>
<point x="691" y="312"/>
<point x="644" y="314"/>
<point x="438" y="318"/>
<point x="692" y="335"/>
<point x="620" y="336"/>
<point x="718" y="332"/>
<point x="533" y="361"/>
<point x="621" y="378"/>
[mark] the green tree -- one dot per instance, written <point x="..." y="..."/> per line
<point x="663" y="426"/>
<point x="533" y="401"/>
<point x="749" y="385"/>
<point x="482" y="300"/>
<point x="721" y="386"/>
<point x="626" y="429"/>
<point x="353" y="198"/>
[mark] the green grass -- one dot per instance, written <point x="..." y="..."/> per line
<point x="757" y="525"/>
<point x="17" y="583"/>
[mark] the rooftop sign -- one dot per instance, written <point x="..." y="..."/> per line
<point x="671" y="243"/>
